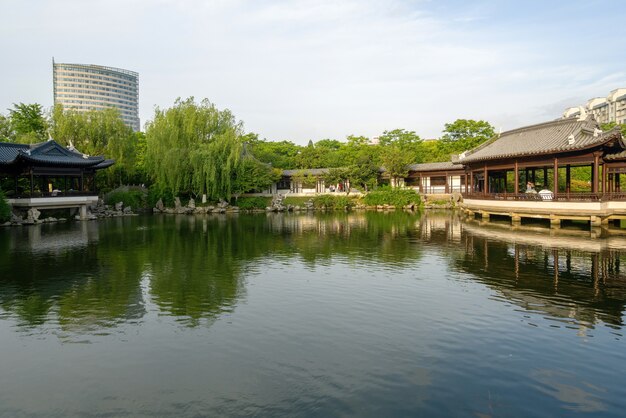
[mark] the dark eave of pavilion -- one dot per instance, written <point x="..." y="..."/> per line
<point x="439" y="166"/>
<point x="550" y="138"/>
<point x="48" y="154"/>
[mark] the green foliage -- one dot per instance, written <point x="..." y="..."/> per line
<point x="6" y="131"/>
<point x="253" y="176"/>
<point x="337" y="175"/>
<point x="465" y="134"/>
<point x="5" y="209"/>
<point x="155" y="193"/>
<point x="392" y="196"/>
<point x="326" y="201"/>
<point x="194" y="148"/>
<point x="396" y="161"/>
<point x="99" y="132"/>
<point x="281" y="154"/>
<point x="28" y="123"/>
<point x="306" y="180"/>
<point x="408" y="142"/>
<point x="136" y="198"/>
<point x="253" y="202"/>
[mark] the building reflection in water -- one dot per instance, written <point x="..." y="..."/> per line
<point x="91" y="275"/>
<point x="569" y="276"/>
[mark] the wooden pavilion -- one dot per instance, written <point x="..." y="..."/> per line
<point x="48" y="175"/>
<point x="505" y="173"/>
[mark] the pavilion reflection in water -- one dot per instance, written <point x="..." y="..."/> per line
<point x="579" y="280"/>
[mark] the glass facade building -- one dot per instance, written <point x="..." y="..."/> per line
<point x="84" y="87"/>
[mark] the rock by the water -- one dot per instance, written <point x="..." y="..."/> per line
<point x="32" y="215"/>
<point x="277" y="203"/>
<point x="119" y="206"/>
<point x="128" y="210"/>
<point x="159" y="205"/>
<point x="191" y="204"/>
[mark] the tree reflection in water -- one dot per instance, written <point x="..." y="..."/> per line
<point x="88" y="276"/>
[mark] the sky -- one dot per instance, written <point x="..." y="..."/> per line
<point x="315" y="69"/>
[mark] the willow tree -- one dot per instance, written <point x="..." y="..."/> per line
<point x="98" y="132"/>
<point x="194" y="148"/>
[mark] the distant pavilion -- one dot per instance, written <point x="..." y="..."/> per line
<point x="48" y="175"/>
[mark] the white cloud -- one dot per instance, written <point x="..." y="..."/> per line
<point x="306" y="69"/>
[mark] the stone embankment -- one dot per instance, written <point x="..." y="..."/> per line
<point x="33" y="216"/>
<point x="191" y="208"/>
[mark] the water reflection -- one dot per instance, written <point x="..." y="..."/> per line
<point x="88" y="276"/>
<point x="576" y="279"/>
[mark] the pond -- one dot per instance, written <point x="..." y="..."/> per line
<point x="343" y="314"/>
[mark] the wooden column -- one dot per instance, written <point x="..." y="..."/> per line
<point x="545" y="177"/>
<point x="465" y="181"/>
<point x="594" y="173"/>
<point x="516" y="186"/>
<point x="472" y="181"/>
<point x="448" y="180"/>
<point x="567" y="179"/>
<point x="604" y="179"/>
<point x="485" y="180"/>
<point x="32" y="183"/>
<point x="618" y="187"/>
<point x="556" y="177"/>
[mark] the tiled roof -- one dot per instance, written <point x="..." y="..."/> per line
<point x="48" y="153"/>
<point x="616" y="156"/>
<point x="446" y="165"/>
<point x="561" y="135"/>
<point x="306" y="171"/>
<point x="8" y="152"/>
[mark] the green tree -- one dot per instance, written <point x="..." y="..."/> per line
<point x="6" y="131"/>
<point x="253" y="175"/>
<point x="396" y="162"/>
<point x="465" y="134"/>
<point x="98" y="132"/>
<point x="281" y="154"/>
<point x="406" y="141"/>
<point x="28" y="123"/>
<point x="195" y="148"/>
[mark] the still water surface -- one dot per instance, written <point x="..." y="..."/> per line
<point x="359" y="314"/>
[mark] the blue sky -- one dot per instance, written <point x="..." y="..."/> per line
<point x="314" y="69"/>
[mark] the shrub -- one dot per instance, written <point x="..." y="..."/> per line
<point x="5" y="209"/>
<point x="136" y="198"/>
<point x="296" y="201"/>
<point x="392" y="196"/>
<point x="155" y="193"/>
<point x="326" y="201"/>
<point x="256" y="202"/>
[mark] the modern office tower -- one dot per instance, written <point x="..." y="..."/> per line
<point x="604" y="109"/>
<point x="84" y="87"/>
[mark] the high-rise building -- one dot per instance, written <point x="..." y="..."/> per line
<point x="84" y="87"/>
<point x="604" y="109"/>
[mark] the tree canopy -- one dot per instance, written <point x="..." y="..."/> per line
<point x="27" y="123"/>
<point x="198" y="149"/>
